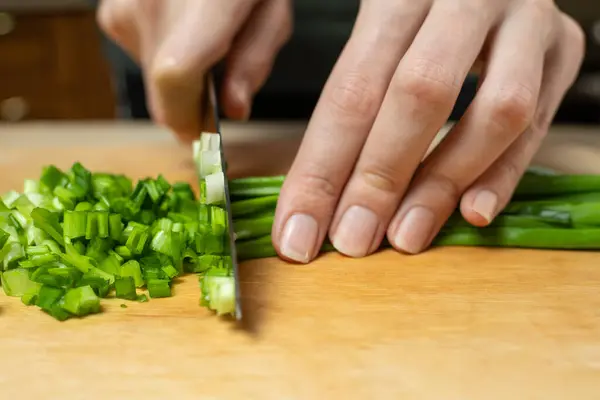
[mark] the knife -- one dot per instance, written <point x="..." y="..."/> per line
<point x="211" y="123"/>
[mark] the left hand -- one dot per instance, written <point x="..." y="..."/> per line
<point x="360" y="173"/>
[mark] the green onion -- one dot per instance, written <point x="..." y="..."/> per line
<point x="142" y="298"/>
<point x="256" y="186"/>
<point x="218" y="291"/>
<point x="47" y="221"/>
<point x="16" y="282"/>
<point x="159" y="288"/>
<point x="132" y="269"/>
<point x="115" y="226"/>
<point x="81" y="301"/>
<point x="48" y="296"/>
<point x="170" y="271"/>
<point x="125" y="288"/>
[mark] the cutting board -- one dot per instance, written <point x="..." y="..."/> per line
<point x="452" y="323"/>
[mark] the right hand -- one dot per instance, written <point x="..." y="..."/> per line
<point x="177" y="41"/>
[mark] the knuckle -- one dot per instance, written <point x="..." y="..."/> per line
<point x="512" y="109"/>
<point x="318" y="186"/>
<point x="258" y="63"/>
<point x="165" y="76"/>
<point x="380" y="177"/>
<point x="510" y="171"/>
<point x="354" y="95"/>
<point x="544" y="8"/>
<point x="444" y="186"/>
<point x="427" y="81"/>
<point x="286" y="30"/>
<point x="287" y="24"/>
<point x="576" y="37"/>
<point x="111" y="18"/>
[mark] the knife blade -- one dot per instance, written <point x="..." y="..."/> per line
<point x="211" y="123"/>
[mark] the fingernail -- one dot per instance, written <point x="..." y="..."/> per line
<point x="299" y="238"/>
<point x="415" y="230"/>
<point x="485" y="204"/>
<point x="355" y="232"/>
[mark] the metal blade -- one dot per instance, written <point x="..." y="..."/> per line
<point x="212" y="124"/>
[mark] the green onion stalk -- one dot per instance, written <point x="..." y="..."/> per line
<point x="547" y="211"/>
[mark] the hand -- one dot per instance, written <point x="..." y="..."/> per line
<point x="177" y="41"/>
<point x="360" y="174"/>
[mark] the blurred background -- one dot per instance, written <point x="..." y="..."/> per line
<point x="56" y="64"/>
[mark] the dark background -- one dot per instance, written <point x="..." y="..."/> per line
<point x="322" y="28"/>
<point x="55" y="64"/>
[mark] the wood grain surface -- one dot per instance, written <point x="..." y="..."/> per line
<point x="452" y="323"/>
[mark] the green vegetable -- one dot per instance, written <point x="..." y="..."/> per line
<point x="159" y="288"/>
<point x="541" y="238"/>
<point x="75" y="236"/>
<point x="254" y="206"/>
<point x="548" y="211"/>
<point x="256" y="186"/>
<point x="218" y="290"/>
<point x="16" y="282"/>
<point x="535" y="185"/>
<point x="125" y="288"/>
<point x="81" y="301"/>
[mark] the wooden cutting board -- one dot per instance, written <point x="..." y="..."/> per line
<point x="451" y="323"/>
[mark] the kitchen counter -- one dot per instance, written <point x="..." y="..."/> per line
<point x="452" y="323"/>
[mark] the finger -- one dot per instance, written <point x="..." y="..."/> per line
<point x="503" y="176"/>
<point x="418" y="102"/>
<point x="500" y="112"/>
<point x="340" y="124"/>
<point x="253" y="53"/>
<point x="200" y="37"/>
<point x="116" y="19"/>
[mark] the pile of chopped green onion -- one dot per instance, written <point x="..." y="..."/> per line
<point x="73" y="237"/>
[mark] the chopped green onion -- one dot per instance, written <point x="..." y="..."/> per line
<point x="83" y="206"/>
<point x="159" y="288"/>
<point x="81" y="301"/>
<point x="16" y="282"/>
<point x="72" y="237"/>
<point x="132" y="269"/>
<point x="215" y="188"/>
<point x="124" y="252"/>
<point x="112" y="263"/>
<point x="115" y="226"/>
<point x="48" y="296"/>
<point x="52" y="177"/>
<point x="142" y="298"/>
<point x="74" y="258"/>
<point x="100" y="286"/>
<point x="170" y="271"/>
<point x="75" y="223"/>
<point x="47" y="221"/>
<point x="11" y="253"/>
<point x="125" y="288"/>
<point x="218" y="291"/>
<point x="98" y="273"/>
<point x="58" y="312"/>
